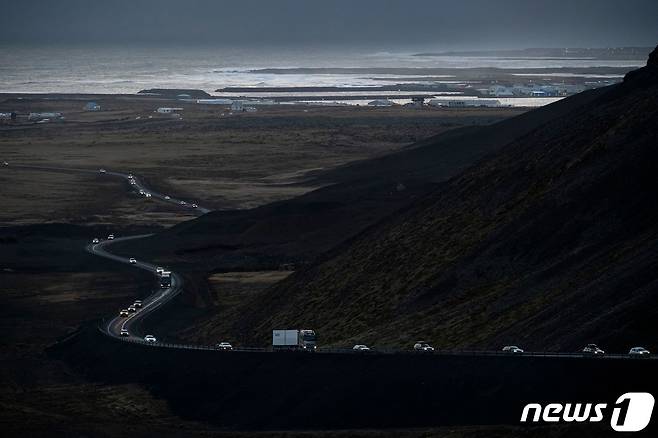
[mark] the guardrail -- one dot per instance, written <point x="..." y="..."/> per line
<point x="375" y="351"/>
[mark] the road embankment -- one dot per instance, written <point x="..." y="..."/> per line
<point x="244" y="390"/>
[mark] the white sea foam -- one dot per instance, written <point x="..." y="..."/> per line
<point x="122" y="70"/>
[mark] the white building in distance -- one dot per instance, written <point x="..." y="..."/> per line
<point x="166" y="110"/>
<point x="41" y="116"/>
<point x="465" y="103"/>
<point x="92" y="106"/>
<point x="381" y="102"/>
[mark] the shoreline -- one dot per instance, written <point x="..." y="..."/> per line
<point x="283" y="101"/>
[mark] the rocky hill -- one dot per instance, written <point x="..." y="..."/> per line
<point x="549" y="243"/>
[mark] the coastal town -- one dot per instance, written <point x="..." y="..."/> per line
<point x="489" y="92"/>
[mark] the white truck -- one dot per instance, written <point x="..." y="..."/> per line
<point x="294" y="340"/>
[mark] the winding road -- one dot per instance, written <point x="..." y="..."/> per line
<point x="137" y="185"/>
<point x="149" y="304"/>
<point x="161" y="296"/>
<point x="131" y="323"/>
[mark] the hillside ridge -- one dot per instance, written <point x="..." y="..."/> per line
<point x="550" y="243"/>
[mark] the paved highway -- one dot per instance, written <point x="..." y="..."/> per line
<point x="149" y="304"/>
<point x="158" y="298"/>
<point x="137" y="186"/>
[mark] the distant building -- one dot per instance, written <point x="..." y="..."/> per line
<point x="262" y="102"/>
<point x="522" y="90"/>
<point x="215" y="101"/>
<point x="550" y="90"/>
<point x="465" y="103"/>
<point x="92" y="106"/>
<point x="43" y="116"/>
<point x="165" y="110"/>
<point x="500" y="91"/>
<point x="567" y="89"/>
<point x="381" y="102"/>
<point x="236" y="105"/>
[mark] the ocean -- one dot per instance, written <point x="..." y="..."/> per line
<point x="116" y="70"/>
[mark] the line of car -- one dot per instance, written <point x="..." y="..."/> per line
<point x="419" y="346"/>
<point x="98" y="240"/>
<point x="146" y="194"/>
<point x="635" y="351"/>
<point x="134" y="308"/>
<point x="589" y="349"/>
<point x="126" y="313"/>
<point x="137" y="305"/>
<point x="131" y="179"/>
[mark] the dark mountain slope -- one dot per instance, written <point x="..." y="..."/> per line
<point x="301" y="228"/>
<point x="447" y="154"/>
<point x="551" y="243"/>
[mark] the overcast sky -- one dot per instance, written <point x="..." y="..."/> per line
<point x="436" y="24"/>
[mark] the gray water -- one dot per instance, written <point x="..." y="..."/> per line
<point x="113" y="70"/>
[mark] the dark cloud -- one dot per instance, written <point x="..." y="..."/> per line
<point x="384" y="23"/>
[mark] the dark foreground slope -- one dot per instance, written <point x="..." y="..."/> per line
<point x="551" y="243"/>
<point x="297" y="390"/>
<point x="360" y="194"/>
